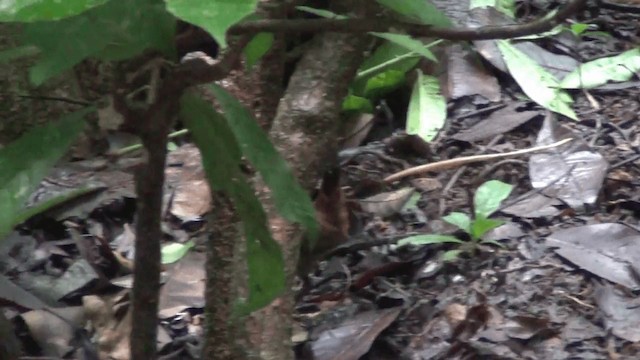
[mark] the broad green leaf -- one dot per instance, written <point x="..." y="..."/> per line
<point x="480" y="226"/>
<point x="357" y="104"/>
<point x="418" y="11"/>
<point x="221" y="158"/>
<point x="43" y="10"/>
<point x="387" y="56"/>
<point x="290" y="199"/>
<point x="427" y="108"/>
<point x="113" y="31"/>
<point x="536" y="82"/>
<point x="257" y="47"/>
<point x="488" y="197"/>
<point x="175" y="251"/>
<point x="461" y="220"/>
<point x="215" y="16"/>
<point x="429" y="239"/>
<point x="17" y="53"/>
<point x="321" y="12"/>
<point x="146" y="25"/>
<point x="507" y="7"/>
<point x="598" y="72"/>
<point x="408" y="43"/>
<point x="26" y="161"/>
<point x="383" y="83"/>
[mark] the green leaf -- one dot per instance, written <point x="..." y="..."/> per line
<point x="383" y="83"/>
<point x="402" y="40"/>
<point x="488" y="197"/>
<point x="215" y="16"/>
<point x="321" y="12"/>
<point x="418" y="11"/>
<point x="221" y="158"/>
<point x="257" y="47"/>
<point x="409" y="43"/>
<point x="17" y="53"/>
<point x="507" y="7"/>
<point x="387" y="56"/>
<point x="578" y="28"/>
<point x="290" y="199"/>
<point x="480" y="226"/>
<point x="142" y="25"/>
<point x="461" y="220"/>
<point x="113" y="31"/>
<point x="26" y="161"/>
<point x="536" y="82"/>
<point x="412" y="203"/>
<point x="427" y="108"/>
<point x="429" y="239"/>
<point x="175" y="251"/>
<point x="451" y="255"/>
<point x="43" y="10"/>
<point x="493" y="242"/>
<point x="598" y="72"/>
<point x="357" y="104"/>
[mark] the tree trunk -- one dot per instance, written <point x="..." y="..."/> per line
<point x="223" y="282"/>
<point x="305" y="131"/>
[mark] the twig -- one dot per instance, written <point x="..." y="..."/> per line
<point x="451" y="163"/>
<point x="387" y="25"/>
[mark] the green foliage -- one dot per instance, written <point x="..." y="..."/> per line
<point x="215" y="16"/>
<point x="175" y="251"/>
<point x="427" y="108"/>
<point x="221" y="158"/>
<point x="27" y="161"/>
<point x="537" y="83"/>
<point x="487" y="200"/>
<point x="257" y="47"/>
<point x="43" y="10"/>
<point x="290" y="199"/>
<point x="116" y="30"/>
<point x="387" y="57"/>
<point x="357" y="104"/>
<point x="409" y="43"/>
<point x="598" y="72"/>
<point x="321" y="12"/>
<point x="17" y="53"/>
<point x="429" y="239"/>
<point x="383" y="83"/>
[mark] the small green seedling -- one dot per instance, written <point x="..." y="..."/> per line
<point x="486" y="201"/>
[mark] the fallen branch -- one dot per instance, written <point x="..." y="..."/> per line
<point x="452" y="163"/>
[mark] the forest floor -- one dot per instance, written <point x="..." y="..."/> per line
<point x="558" y="280"/>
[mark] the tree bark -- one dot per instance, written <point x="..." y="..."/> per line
<point x="305" y="130"/>
<point x="223" y="282"/>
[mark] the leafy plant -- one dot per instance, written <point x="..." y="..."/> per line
<point x="486" y="201"/>
<point x="26" y="161"/>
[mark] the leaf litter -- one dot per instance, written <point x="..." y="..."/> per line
<point x="562" y="285"/>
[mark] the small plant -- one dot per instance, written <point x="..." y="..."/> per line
<point x="486" y="201"/>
